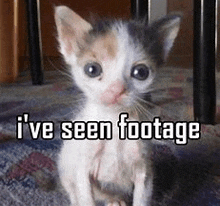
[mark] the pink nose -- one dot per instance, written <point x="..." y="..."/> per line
<point x="113" y="93"/>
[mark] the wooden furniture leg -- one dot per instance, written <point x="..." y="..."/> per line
<point x="204" y="91"/>
<point x="35" y="46"/>
<point x="140" y="9"/>
<point x="8" y="40"/>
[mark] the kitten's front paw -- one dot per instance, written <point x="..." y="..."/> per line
<point x="121" y="203"/>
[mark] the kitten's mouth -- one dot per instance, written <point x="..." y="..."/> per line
<point x="114" y="95"/>
<point x="115" y="100"/>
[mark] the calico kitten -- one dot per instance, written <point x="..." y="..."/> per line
<point x="114" y="64"/>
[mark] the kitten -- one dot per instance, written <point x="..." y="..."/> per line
<point x="114" y="64"/>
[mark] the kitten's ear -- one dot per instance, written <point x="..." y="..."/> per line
<point x="165" y="31"/>
<point x="71" y="30"/>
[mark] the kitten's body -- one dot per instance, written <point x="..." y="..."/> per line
<point x="113" y="166"/>
<point x="114" y="64"/>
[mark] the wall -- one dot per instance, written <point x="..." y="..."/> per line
<point x="181" y="54"/>
<point x="158" y="9"/>
<point x="85" y="8"/>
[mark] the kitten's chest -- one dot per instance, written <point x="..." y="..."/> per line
<point x="94" y="112"/>
<point x="115" y="161"/>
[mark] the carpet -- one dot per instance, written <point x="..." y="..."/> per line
<point x="28" y="172"/>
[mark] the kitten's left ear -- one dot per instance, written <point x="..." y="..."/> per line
<point x="165" y="31"/>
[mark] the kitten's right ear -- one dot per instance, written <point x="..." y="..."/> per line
<point x="71" y="30"/>
<point x="163" y="33"/>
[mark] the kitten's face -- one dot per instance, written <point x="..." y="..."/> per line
<point x="111" y="70"/>
<point x="114" y="63"/>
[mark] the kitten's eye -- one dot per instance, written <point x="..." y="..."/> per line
<point x="93" y="69"/>
<point x="140" y="72"/>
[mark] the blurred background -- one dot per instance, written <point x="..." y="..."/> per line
<point x="28" y="173"/>
<point x="14" y="32"/>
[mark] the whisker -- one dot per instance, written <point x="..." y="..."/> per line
<point x="63" y="70"/>
<point x="141" y="110"/>
<point x="149" y="103"/>
<point x="145" y="111"/>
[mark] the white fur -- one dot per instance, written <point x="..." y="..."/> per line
<point x="124" y="163"/>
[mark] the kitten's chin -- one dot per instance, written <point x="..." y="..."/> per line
<point x="122" y="103"/>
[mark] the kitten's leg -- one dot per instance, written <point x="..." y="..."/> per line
<point x="69" y="187"/>
<point x="143" y="186"/>
<point x="79" y="189"/>
<point x="121" y="203"/>
<point x="83" y="188"/>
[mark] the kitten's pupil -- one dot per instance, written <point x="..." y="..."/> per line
<point x="93" y="69"/>
<point x="140" y="72"/>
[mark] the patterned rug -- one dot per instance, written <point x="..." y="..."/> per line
<point x="28" y="173"/>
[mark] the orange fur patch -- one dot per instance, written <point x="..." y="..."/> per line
<point x="104" y="48"/>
